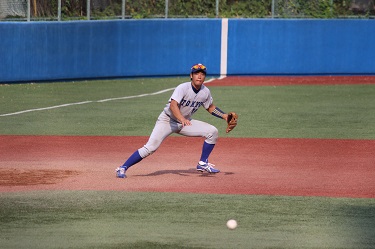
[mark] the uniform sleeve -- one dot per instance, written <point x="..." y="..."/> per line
<point x="178" y="94"/>
<point x="209" y="101"/>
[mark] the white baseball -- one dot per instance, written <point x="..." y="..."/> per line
<point x="231" y="224"/>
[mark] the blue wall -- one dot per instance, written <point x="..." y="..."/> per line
<point x="51" y="50"/>
<point x="99" y="49"/>
<point x="301" y="47"/>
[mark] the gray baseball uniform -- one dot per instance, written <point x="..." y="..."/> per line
<point x="189" y="100"/>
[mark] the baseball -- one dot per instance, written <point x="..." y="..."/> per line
<point x="231" y="224"/>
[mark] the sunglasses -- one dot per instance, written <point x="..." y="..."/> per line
<point x="199" y="66"/>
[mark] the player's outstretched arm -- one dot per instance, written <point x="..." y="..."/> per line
<point x="231" y="118"/>
<point x="212" y="109"/>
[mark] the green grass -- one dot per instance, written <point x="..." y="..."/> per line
<point x="89" y="219"/>
<point x="332" y="111"/>
<point x="82" y="219"/>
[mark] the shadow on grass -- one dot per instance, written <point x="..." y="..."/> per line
<point x="359" y="223"/>
<point x="153" y="245"/>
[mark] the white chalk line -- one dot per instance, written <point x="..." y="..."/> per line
<point x="44" y="108"/>
<point x="137" y="96"/>
<point x="93" y="101"/>
<point x="86" y="102"/>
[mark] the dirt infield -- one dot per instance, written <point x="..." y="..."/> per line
<point x="294" y="167"/>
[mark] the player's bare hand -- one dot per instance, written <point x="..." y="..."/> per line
<point x="225" y="117"/>
<point x="185" y="122"/>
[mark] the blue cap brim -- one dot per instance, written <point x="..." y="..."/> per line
<point x="198" y="70"/>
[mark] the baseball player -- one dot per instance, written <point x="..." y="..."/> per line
<point x="176" y="118"/>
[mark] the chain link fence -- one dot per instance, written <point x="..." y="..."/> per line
<point x="12" y="9"/>
<point x="64" y="10"/>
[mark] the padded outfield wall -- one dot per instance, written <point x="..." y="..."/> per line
<point x="301" y="47"/>
<point x="40" y="51"/>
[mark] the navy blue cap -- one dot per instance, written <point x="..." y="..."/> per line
<point x="199" y="68"/>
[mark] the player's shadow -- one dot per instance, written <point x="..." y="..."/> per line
<point x="189" y="172"/>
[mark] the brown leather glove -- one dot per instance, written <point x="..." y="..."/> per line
<point x="232" y="121"/>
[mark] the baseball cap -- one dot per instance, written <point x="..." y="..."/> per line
<point x="199" y="68"/>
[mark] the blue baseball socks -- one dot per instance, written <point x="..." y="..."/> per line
<point x="133" y="159"/>
<point x="136" y="157"/>
<point x="206" y="151"/>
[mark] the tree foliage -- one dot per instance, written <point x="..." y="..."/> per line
<point x="202" y="8"/>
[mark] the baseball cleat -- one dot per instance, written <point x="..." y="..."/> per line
<point x="209" y="167"/>
<point x="120" y="172"/>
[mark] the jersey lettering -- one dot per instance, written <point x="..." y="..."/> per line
<point x="188" y="100"/>
<point x="193" y="104"/>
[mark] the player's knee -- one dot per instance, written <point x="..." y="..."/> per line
<point x="149" y="148"/>
<point x="212" y="135"/>
<point x="145" y="152"/>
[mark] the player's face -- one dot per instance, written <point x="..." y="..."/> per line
<point x="197" y="79"/>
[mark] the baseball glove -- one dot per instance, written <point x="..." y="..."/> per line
<point x="232" y="121"/>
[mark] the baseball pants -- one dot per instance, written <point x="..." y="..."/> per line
<point x="165" y="126"/>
